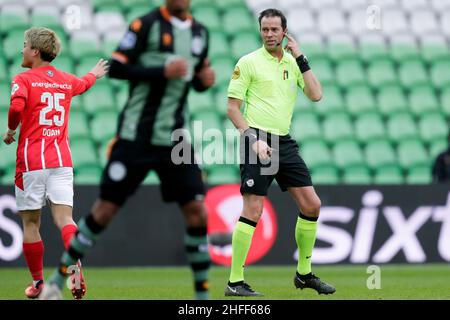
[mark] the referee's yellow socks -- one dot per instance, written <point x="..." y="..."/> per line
<point x="305" y="235"/>
<point x="241" y="241"/>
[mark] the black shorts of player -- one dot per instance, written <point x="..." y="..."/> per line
<point x="130" y="163"/>
<point x="285" y="166"/>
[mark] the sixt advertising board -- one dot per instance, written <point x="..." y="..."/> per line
<point x="358" y="224"/>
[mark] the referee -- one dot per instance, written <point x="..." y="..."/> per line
<point x="267" y="80"/>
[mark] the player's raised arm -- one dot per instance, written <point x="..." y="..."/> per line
<point x="85" y="83"/>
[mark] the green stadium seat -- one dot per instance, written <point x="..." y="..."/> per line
<point x="357" y="175"/>
<point x="85" y="65"/>
<point x="88" y="175"/>
<point x="316" y="154"/>
<point x="218" y="45"/>
<point x="382" y="73"/>
<point x="337" y="127"/>
<point x="83" y="153"/>
<point x="348" y="154"/>
<point x="445" y="102"/>
<point x="3" y="70"/>
<point x="392" y="100"/>
<point x="5" y="95"/>
<point x="99" y="98"/>
<point x="237" y="20"/>
<point x="440" y="75"/>
<point x="16" y="67"/>
<point x="138" y="11"/>
<point x="316" y="50"/>
<point x="369" y="127"/>
<point x="423" y="100"/>
<point x="209" y="120"/>
<point x="323" y="70"/>
<point x="47" y="21"/>
<point x="83" y="48"/>
<point x="341" y="51"/>
<point x="8" y="177"/>
<point x="325" y="175"/>
<point x="225" y="5"/>
<point x="350" y="73"/>
<point x="419" y="175"/>
<point x="78" y="125"/>
<point x="221" y="100"/>
<point x="332" y="101"/>
<point x="200" y="101"/>
<point x="370" y="52"/>
<point x="8" y="154"/>
<point x="224" y="69"/>
<point x="412" y="73"/>
<point x="209" y="16"/>
<point x="244" y="43"/>
<point x="64" y="63"/>
<point x="130" y="4"/>
<point x="13" y="44"/>
<point x="437" y="147"/>
<point x="434" y="52"/>
<point x="13" y="22"/>
<point x="305" y="126"/>
<point x="223" y="174"/>
<point x="380" y="154"/>
<point x="404" y="51"/>
<point x="389" y="175"/>
<point x="360" y="100"/>
<point x="412" y="153"/>
<point x="432" y="127"/>
<point x="401" y="127"/>
<point x="104" y="126"/>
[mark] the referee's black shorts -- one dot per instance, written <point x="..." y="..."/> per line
<point x="256" y="177"/>
<point x="130" y="163"/>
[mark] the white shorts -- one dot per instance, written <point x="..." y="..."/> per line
<point x="54" y="184"/>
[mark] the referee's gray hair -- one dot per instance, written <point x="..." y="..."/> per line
<point x="273" y="13"/>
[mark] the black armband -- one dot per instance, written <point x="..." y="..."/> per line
<point x="303" y="63"/>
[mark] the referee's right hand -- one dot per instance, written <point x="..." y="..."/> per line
<point x="262" y="149"/>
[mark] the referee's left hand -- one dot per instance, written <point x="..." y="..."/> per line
<point x="262" y="149"/>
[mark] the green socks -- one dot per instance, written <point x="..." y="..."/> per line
<point x="242" y="238"/>
<point x="196" y="245"/>
<point x="88" y="231"/>
<point x="305" y="235"/>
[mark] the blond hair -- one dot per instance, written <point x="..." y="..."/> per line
<point x="44" y="40"/>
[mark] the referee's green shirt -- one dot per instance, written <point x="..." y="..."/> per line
<point x="269" y="89"/>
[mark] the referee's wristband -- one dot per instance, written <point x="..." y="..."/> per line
<point x="303" y="64"/>
<point x="251" y="135"/>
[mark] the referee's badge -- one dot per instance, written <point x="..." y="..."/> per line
<point x="236" y="73"/>
<point x="250" y="182"/>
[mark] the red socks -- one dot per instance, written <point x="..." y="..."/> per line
<point x="67" y="233"/>
<point x="34" y="255"/>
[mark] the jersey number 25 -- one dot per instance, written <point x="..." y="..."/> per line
<point x="52" y="101"/>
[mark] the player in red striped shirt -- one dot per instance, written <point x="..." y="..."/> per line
<point x="40" y="103"/>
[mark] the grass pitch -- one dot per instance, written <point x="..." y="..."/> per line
<point x="404" y="282"/>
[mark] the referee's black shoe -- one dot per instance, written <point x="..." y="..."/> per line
<point x="240" y="289"/>
<point x="313" y="282"/>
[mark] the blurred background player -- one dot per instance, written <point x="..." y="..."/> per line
<point x="267" y="80"/>
<point x="441" y="166"/>
<point x="40" y="102"/>
<point x="162" y="54"/>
